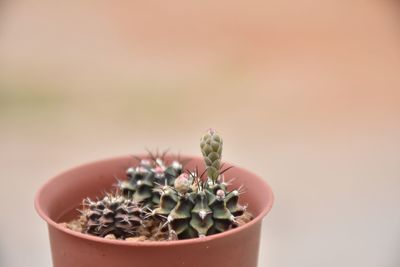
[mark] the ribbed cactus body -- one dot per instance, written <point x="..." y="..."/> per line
<point x="200" y="211"/>
<point x="144" y="181"/>
<point x="112" y="215"/>
<point x="192" y="207"/>
<point x="211" y="148"/>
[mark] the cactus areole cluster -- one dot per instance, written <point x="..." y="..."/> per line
<point x="160" y="201"/>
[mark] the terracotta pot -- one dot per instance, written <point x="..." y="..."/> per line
<point x="59" y="198"/>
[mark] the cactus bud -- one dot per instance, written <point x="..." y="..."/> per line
<point x="159" y="171"/>
<point x="220" y="194"/>
<point x="211" y="148"/>
<point x="182" y="183"/>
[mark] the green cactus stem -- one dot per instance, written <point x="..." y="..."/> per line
<point x="112" y="215"/>
<point x="144" y="181"/>
<point x="191" y="208"/>
<point x="211" y="148"/>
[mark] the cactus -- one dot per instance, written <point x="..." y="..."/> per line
<point x="196" y="208"/>
<point x="191" y="208"/>
<point x="160" y="202"/>
<point x="112" y="215"/>
<point x="211" y="148"/>
<point x="144" y="180"/>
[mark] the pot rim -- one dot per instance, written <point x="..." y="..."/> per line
<point x="50" y="222"/>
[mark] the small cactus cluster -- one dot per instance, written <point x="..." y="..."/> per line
<point x="112" y="215"/>
<point x="196" y="208"/>
<point x="176" y="204"/>
<point x="144" y="180"/>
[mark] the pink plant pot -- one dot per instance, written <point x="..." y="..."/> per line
<point x="59" y="198"/>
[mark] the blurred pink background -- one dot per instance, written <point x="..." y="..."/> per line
<point x="305" y="93"/>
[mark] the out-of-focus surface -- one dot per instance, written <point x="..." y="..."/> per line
<point x="305" y="93"/>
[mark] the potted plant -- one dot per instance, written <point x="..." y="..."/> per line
<point x="163" y="212"/>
